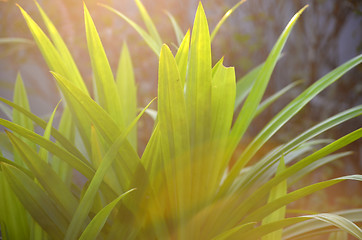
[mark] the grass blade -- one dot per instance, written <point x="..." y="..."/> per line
<point x="290" y="110"/>
<point x="13" y="216"/>
<point x="155" y="47"/>
<point x="106" y="87"/>
<point x="244" y="85"/>
<point x="21" y="98"/>
<point x="55" y="133"/>
<point x="152" y="30"/>
<point x="104" y="124"/>
<point x="264" y="164"/>
<point x="35" y="200"/>
<point x="46" y="176"/>
<point x="182" y="57"/>
<point x="223" y="19"/>
<point x="174" y="130"/>
<point x="82" y="167"/>
<point x="249" y="108"/>
<point x="176" y="27"/>
<point x="270" y="100"/>
<point x="43" y="153"/>
<point x="314" y="225"/>
<point x="86" y="203"/>
<point x="127" y="92"/>
<point x="198" y="99"/>
<point x="15" y="40"/>
<point x="63" y="51"/>
<point x="95" y="226"/>
<point x="276" y="192"/>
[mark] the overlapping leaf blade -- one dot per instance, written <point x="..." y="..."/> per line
<point x="35" y="200"/>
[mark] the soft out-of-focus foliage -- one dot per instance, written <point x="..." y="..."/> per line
<point x="192" y="181"/>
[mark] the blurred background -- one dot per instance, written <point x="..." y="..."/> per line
<point x="328" y="34"/>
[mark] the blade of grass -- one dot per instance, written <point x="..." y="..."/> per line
<point x="182" y="57"/>
<point x="240" y="228"/>
<point x="155" y="47"/>
<point x="234" y="214"/>
<point x="276" y="192"/>
<point x="46" y="176"/>
<point x="255" y="198"/>
<point x="223" y="99"/>
<point x="43" y="153"/>
<point x="249" y="108"/>
<point x="35" y="200"/>
<point x="95" y="226"/>
<point x="86" y="203"/>
<point x="223" y="19"/>
<point x="63" y="51"/>
<point x="175" y="140"/>
<point x="176" y="27"/>
<point x="55" y="133"/>
<point x="288" y="112"/>
<point x="15" y="40"/>
<point x="244" y="85"/>
<point x="152" y="30"/>
<point x="21" y="98"/>
<point x="82" y="167"/>
<point x="314" y="225"/>
<point x="106" y="87"/>
<point x="127" y="92"/>
<point x="264" y="164"/>
<point x="104" y="124"/>
<point x="271" y="206"/>
<point x="13" y="216"/>
<point x="270" y="100"/>
<point x="67" y="128"/>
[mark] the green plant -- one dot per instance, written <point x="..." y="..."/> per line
<point x="183" y="186"/>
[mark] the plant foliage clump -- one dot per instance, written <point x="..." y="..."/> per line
<point x="189" y="183"/>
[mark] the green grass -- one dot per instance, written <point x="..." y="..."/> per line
<point x="183" y="186"/>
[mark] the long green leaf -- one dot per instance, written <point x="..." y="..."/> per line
<point x="55" y="133"/>
<point x="127" y="92"/>
<point x="256" y="198"/>
<point x="174" y="130"/>
<point x="71" y="67"/>
<point x="46" y="176"/>
<point x="176" y="27"/>
<point x="249" y="108"/>
<point x="182" y="57"/>
<point x="223" y="99"/>
<point x="155" y="47"/>
<point x="270" y="100"/>
<point x="104" y="124"/>
<point x="13" y="216"/>
<point x="241" y="228"/>
<point x="152" y="30"/>
<point x="43" y="153"/>
<point x="86" y="203"/>
<point x="295" y="195"/>
<point x="244" y="85"/>
<point x="314" y="225"/>
<point x="106" y="87"/>
<point x="264" y="164"/>
<point x="289" y="111"/>
<point x="223" y="19"/>
<point x="21" y="98"/>
<point x="262" y="191"/>
<point x="95" y="226"/>
<point x="276" y="192"/>
<point x="35" y="200"/>
<point x="198" y="99"/>
<point x="15" y="40"/>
